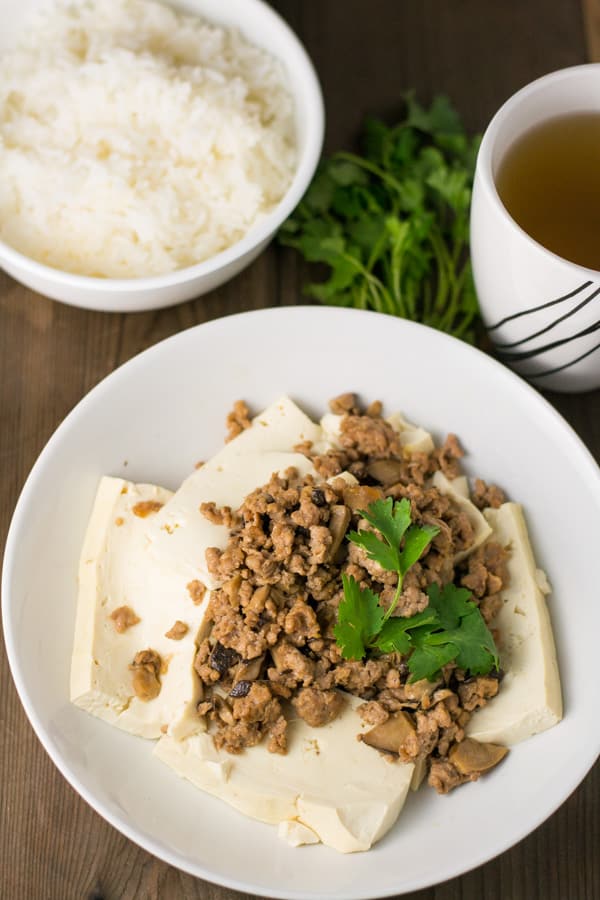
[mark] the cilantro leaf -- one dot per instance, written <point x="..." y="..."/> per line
<point x="360" y="617"/>
<point x="416" y="540"/>
<point x="393" y="637"/>
<point x="398" y="217"/>
<point x="426" y="660"/>
<point x="376" y="549"/>
<point x="441" y="118"/>
<point x="462" y="630"/>
<point x="450" y="628"/>
<point x="451" y="604"/>
<point x="472" y="642"/>
<point x="392" y="520"/>
<point x="389" y="517"/>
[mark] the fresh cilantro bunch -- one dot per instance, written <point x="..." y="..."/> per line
<point x="451" y="628"/>
<point x="392" y="225"/>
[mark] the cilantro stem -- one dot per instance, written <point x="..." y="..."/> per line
<point x="392" y="225"/>
<point x="370" y="167"/>
<point x="394" y="602"/>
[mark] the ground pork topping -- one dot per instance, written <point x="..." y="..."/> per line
<point x="145" y="508"/>
<point x="271" y="653"/>
<point x="196" y="590"/>
<point x="345" y="403"/>
<point x="487" y="495"/>
<point x="221" y="515"/>
<point x="237" y="420"/>
<point x="123" y="618"/>
<point x="146" y="667"/>
<point x="177" y="631"/>
<point x="371" y="437"/>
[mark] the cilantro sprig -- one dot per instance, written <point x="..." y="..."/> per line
<point x="451" y="628"/>
<point x="391" y="225"/>
<point x="392" y="519"/>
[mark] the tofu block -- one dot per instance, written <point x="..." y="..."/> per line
<point x="530" y="698"/>
<point x="181" y="532"/>
<point x="342" y="790"/>
<point x="413" y="438"/>
<point x="296" y="834"/>
<point x="116" y="570"/>
<point x="481" y="528"/>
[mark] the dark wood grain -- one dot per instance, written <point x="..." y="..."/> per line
<point x="591" y="19"/>
<point x="52" y="846"/>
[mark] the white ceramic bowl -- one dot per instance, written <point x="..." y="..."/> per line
<point x="150" y="421"/>
<point x="262" y="26"/>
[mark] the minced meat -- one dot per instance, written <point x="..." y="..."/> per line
<point x="272" y="653"/>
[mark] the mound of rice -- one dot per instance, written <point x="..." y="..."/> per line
<point x="135" y="141"/>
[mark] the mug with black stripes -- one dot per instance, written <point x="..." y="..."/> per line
<point x="541" y="309"/>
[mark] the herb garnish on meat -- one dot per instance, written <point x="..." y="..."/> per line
<point x="450" y="629"/>
<point x="392" y="225"/>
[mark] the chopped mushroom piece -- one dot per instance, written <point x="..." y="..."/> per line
<point x="391" y="734"/>
<point x="123" y="618"/>
<point x="339" y="519"/>
<point x="360" y="496"/>
<point x="386" y="471"/>
<point x="248" y="670"/>
<point x="471" y="756"/>
<point x="146" y="668"/>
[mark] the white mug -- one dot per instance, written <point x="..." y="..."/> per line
<point x="542" y="312"/>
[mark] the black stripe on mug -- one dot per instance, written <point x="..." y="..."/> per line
<point x="527" y="312"/>
<point x="564" y="366"/>
<point x="529" y="354"/>
<point x="552" y="325"/>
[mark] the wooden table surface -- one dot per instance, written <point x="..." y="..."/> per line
<point x="367" y="52"/>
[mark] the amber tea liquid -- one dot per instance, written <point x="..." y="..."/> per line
<point x="549" y="181"/>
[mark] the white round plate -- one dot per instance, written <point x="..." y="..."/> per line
<point x="159" y="413"/>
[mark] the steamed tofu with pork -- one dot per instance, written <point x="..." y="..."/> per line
<point x="364" y="621"/>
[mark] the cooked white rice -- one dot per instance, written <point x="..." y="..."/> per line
<point x="135" y="141"/>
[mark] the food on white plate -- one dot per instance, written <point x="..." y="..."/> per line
<point x="328" y="787"/>
<point x="154" y="566"/>
<point x="133" y="652"/>
<point x="181" y="536"/>
<point x="362" y="620"/>
<point x="136" y="140"/>
<point x="530" y="700"/>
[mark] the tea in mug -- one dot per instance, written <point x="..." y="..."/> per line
<point x="549" y="182"/>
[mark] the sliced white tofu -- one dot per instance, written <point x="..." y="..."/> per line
<point x="117" y="571"/>
<point x="296" y="834"/>
<point x="331" y="429"/>
<point x="530" y="698"/>
<point x="481" y="528"/>
<point x="180" y="531"/>
<point x="342" y="790"/>
<point x="182" y="535"/>
<point x="413" y="438"/>
<point x="461" y="486"/>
